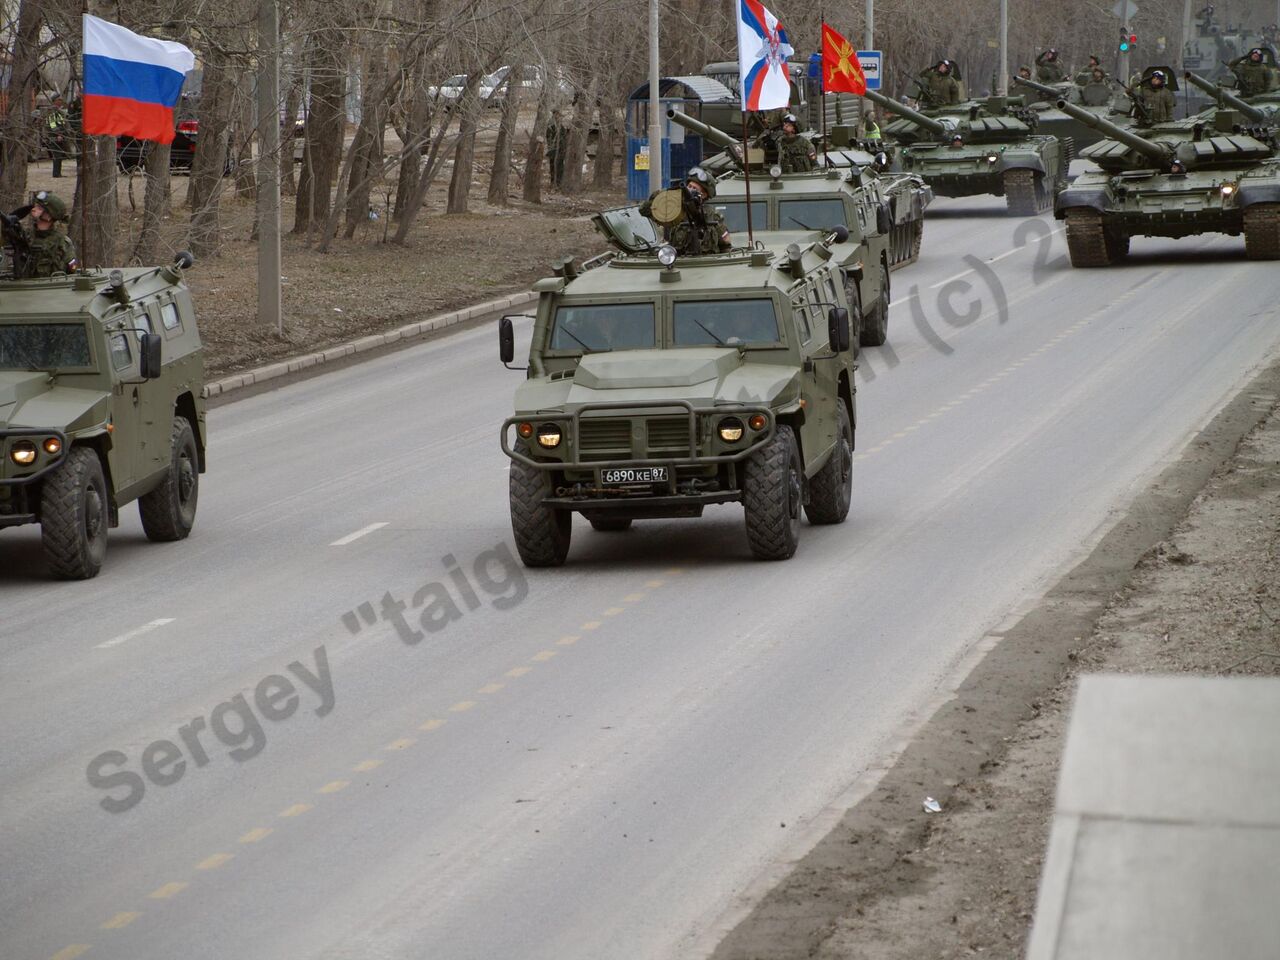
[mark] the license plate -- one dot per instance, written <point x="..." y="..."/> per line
<point x="634" y="475"/>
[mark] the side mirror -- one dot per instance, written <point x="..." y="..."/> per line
<point x="838" y="329"/>
<point x="506" y="340"/>
<point x="839" y="233"/>
<point x="884" y="219"/>
<point x="149" y="355"/>
<point x="183" y="260"/>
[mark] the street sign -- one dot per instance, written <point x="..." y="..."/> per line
<point x="869" y="61"/>
<point x="1126" y="10"/>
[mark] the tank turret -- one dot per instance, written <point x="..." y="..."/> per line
<point x="1159" y="153"/>
<point x="1247" y="110"/>
<point x="934" y="126"/>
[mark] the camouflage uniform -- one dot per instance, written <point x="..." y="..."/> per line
<point x="1158" y="101"/>
<point x="795" y="154"/>
<point x="702" y="230"/>
<point x="48" y="251"/>
<point x="941" y="88"/>
<point x="1251" y="78"/>
<point x="1049" y="71"/>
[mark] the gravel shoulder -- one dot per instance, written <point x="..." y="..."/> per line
<point x="1187" y="582"/>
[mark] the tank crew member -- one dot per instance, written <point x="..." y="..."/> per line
<point x="41" y="250"/>
<point x="795" y="153"/>
<point x="1024" y="73"/>
<point x="1085" y="76"/>
<point x="1049" y="67"/>
<point x="1097" y="92"/>
<point x="1252" y="75"/>
<point x="702" y="230"/>
<point x="1156" y="99"/>
<point x="940" y="85"/>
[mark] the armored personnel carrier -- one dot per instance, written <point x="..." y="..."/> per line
<point x="1211" y="173"/>
<point x="658" y="385"/>
<point x="883" y="213"/>
<point x="101" y="380"/>
<point x="980" y="147"/>
<point x="1106" y="99"/>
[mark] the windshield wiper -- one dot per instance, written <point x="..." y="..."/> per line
<point x="707" y="331"/>
<point x="588" y="349"/>
<point x="805" y="225"/>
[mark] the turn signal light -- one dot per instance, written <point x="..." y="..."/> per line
<point x="757" y="421"/>
<point x="53" y="446"/>
<point x="525" y="430"/>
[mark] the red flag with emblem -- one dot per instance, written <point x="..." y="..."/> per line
<point x="841" y="72"/>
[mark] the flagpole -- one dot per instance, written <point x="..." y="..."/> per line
<point x="82" y="178"/>
<point x="746" y="172"/>
<point x="822" y="86"/>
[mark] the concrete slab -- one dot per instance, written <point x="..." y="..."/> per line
<point x="1166" y="833"/>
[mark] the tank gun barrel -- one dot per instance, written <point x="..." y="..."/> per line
<point x="711" y="134"/>
<point x="1052" y="92"/>
<point x="1155" y="151"/>
<point x="902" y="110"/>
<point x="1248" y="110"/>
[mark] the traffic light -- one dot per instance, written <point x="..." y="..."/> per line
<point x="1128" y="41"/>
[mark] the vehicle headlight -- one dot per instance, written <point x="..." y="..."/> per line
<point x="23" y="453"/>
<point x="775" y="171"/>
<point x="52" y="446"/>
<point x="1228" y="189"/>
<point x="730" y="429"/>
<point x="992" y="158"/>
<point x="666" y="254"/>
<point x="549" y="435"/>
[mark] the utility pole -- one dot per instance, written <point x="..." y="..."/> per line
<point x="1002" y="82"/>
<point x="655" y="118"/>
<point x="268" y="170"/>
<point x="871" y="24"/>
<point x="1122" y="71"/>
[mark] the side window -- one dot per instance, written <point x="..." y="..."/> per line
<point x="142" y="321"/>
<point x="121" y="355"/>
<point x="832" y="295"/>
<point x="169" y="316"/>
<point x="802" y="320"/>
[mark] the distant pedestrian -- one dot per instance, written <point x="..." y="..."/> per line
<point x="58" y="134"/>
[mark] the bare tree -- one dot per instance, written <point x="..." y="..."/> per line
<point x="155" y="206"/>
<point x="18" y="136"/>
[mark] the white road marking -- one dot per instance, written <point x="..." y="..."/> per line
<point x="358" y="534"/>
<point x="1007" y="253"/>
<point x="145" y="628"/>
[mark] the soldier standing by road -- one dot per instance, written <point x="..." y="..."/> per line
<point x="557" y="148"/>
<point x="1252" y="75"/>
<point x="795" y="153"/>
<point x="940" y="86"/>
<point x="1155" y="99"/>
<point x="58" y="134"/>
<point x="41" y="250"/>
<point x="1049" y="67"/>
<point x="701" y="229"/>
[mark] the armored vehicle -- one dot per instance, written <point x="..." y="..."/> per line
<point x="101" y="377"/>
<point x="980" y="147"/>
<point x="658" y="385"/>
<point x="1211" y="173"/>
<point x="883" y="213"/>
<point x="1264" y="108"/>
<point x="1106" y="99"/>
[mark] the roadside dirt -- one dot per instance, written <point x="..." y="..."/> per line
<point x="892" y="882"/>
<point x="362" y="285"/>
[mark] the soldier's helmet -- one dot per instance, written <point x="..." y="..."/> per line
<point x="56" y="206"/>
<point x="704" y="177"/>
<point x="1255" y="55"/>
<point x="1157" y="75"/>
<point x="944" y="66"/>
<point x="791" y="119"/>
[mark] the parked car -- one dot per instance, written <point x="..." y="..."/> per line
<point x="493" y="90"/>
<point x="451" y="89"/>
<point x="131" y="153"/>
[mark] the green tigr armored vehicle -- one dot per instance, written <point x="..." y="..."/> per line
<point x="659" y="385"/>
<point x="1105" y="99"/>
<point x="980" y="147"/>
<point x="1206" y="174"/>
<point x="883" y="213"/>
<point x="101" y="377"/>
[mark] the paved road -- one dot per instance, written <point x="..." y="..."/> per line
<point x="587" y="762"/>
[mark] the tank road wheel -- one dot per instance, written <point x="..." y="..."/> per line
<point x="1086" y="241"/>
<point x="605" y="523"/>
<point x="1023" y="193"/>
<point x="73" y="516"/>
<point x="831" y="488"/>
<point x="169" y="511"/>
<point x="542" y="532"/>
<point x="772" y="489"/>
<point x="1262" y="231"/>
<point x="875" y="322"/>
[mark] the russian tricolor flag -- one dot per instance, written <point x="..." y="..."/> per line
<point x="131" y="83"/>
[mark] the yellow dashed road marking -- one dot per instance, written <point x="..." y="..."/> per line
<point x="543" y="655"/>
<point x="120" y="920"/>
<point x="297" y="810"/>
<point x="253" y="836"/>
<point x="491" y="688"/>
<point x="568" y="641"/>
<point x="431" y="725"/>
<point x="71" y="952"/>
<point x="462" y="707"/>
<point x="634" y="597"/>
<point x="333" y="786"/>
<point x="673" y="572"/>
<point x="591" y="625"/>
<point x="613" y="611"/>
<point x="364" y="766"/>
<point x="213" y="862"/>
<point x="517" y="672"/>
<point x="654" y="583"/>
<point x="168" y="890"/>
<point x="400" y="744"/>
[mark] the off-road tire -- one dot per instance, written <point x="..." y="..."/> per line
<point x="607" y="524"/>
<point x="874" y="330"/>
<point x="772" y="490"/>
<point x="542" y="533"/>
<point x="74" y="516"/>
<point x="1086" y="240"/>
<point x="1262" y="231"/>
<point x="831" y="488"/>
<point x="169" y="511"/>
<point x="1024" y="193"/>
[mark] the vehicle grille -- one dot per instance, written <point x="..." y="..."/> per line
<point x="604" y="438"/>
<point x="668" y="435"/>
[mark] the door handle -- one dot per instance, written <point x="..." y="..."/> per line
<point x="135" y="396"/>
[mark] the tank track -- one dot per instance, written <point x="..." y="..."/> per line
<point x="1262" y="231"/>
<point x="1086" y="240"/>
<point x="1024" y="197"/>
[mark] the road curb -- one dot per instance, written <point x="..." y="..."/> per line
<point x="340" y="351"/>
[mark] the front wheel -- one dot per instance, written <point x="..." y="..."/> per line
<point x="831" y="488"/>
<point x="74" y="512"/>
<point x="542" y="532"/>
<point x="875" y="322"/>
<point x="169" y="511"/>
<point x="772" y="489"/>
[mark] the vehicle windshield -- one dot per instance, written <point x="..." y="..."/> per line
<point x="605" y="326"/>
<point x="735" y="215"/>
<point x="726" y="323"/>
<point x="811" y="214"/>
<point x="43" y="346"/>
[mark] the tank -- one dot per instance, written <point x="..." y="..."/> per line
<point x="980" y="147"/>
<point x="883" y="213"/>
<point x="1263" y="109"/>
<point x="1211" y="173"/>
<point x="1103" y="99"/>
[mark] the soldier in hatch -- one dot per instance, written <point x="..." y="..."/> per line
<point x="795" y="153"/>
<point x="40" y="250"/>
<point x="1155" y="98"/>
<point x="939" y="85"/>
<point x="1252" y="74"/>
<point x="702" y="229"/>
<point x="1049" y="68"/>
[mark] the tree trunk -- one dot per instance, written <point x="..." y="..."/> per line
<point x="204" y="191"/>
<point x="537" y="149"/>
<point x="19" y="137"/>
<point x="288" y="136"/>
<point x="500" y="179"/>
<point x="96" y="239"/>
<point x="155" y="206"/>
<point x="417" y="130"/>
<point x="326" y="123"/>
<point x="367" y="147"/>
<point x="606" y="148"/>
<point x="246" y="180"/>
<point x="423" y="183"/>
<point x="464" y="155"/>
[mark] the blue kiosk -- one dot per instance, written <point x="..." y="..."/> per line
<point x="681" y="150"/>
